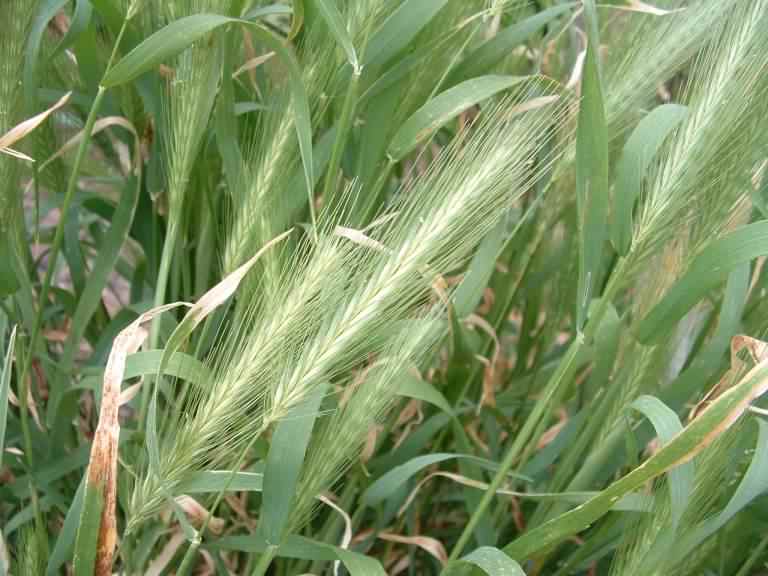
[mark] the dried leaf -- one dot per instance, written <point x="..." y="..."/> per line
<point x="645" y="8"/>
<point x="102" y="468"/>
<point x="19" y="131"/>
<point x="162" y="560"/>
<point x="429" y="545"/>
<point x="359" y="237"/>
<point x="346" y="539"/>
<point x="98" y="126"/>
<point x="252" y="64"/>
<point x="198" y="514"/>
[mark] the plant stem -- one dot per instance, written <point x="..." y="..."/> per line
<point x="163" y="274"/>
<point x="746" y="568"/>
<point x="264" y="561"/>
<point x="58" y="238"/>
<point x="191" y="552"/>
<point x="345" y="124"/>
<point x="69" y="195"/>
<point x="189" y="556"/>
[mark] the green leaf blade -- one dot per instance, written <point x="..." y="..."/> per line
<point x="591" y="172"/>
<point x="443" y="108"/>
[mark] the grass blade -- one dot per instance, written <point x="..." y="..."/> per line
<point x="284" y="462"/>
<point x="97" y="531"/>
<point x="5" y="386"/>
<point x="388" y="484"/>
<point x="639" y="151"/>
<point x="708" y="270"/>
<point x="444" y="107"/>
<point x="162" y="45"/>
<point x="718" y="417"/>
<point x="306" y="549"/>
<point x="483" y="58"/>
<point x="412" y="386"/>
<point x="101" y="270"/>
<point x="667" y="426"/>
<point x="399" y="29"/>
<point x="218" y="480"/>
<point x="330" y="13"/>
<point x="591" y="170"/>
<point x="490" y="560"/>
<point x="62" y="550"/>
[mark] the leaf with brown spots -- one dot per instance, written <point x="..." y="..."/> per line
<point x="97" y="532"/>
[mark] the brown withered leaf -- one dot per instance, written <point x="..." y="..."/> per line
<point x="102" y="467"/>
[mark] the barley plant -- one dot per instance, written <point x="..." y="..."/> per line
<point x="373" y="287"/>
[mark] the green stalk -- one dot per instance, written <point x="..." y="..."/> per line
<point x="191" y="554"/>
<point x="264" y="561"/>
<point x="342" y="131"/>
<point x="746" y="568"/>
<point x="26" y="433"/>
<point x="59" y="235"/>
<point x="163" y="274"/>
<point x="541" y="408"/>
<point x="69" y="195"/>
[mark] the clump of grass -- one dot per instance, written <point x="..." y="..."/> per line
<point x="346" y="301"/>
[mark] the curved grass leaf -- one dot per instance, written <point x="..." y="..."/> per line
<point x="708" y="270"/>
<point x="162" y="45"/>
<point x="80" y="22"/>
<point x="101" y="270"/>
<point x="753" y="484"/>
<point x="399" y="29"/>
<point x="719" y="416"/>
<point x="146" y="363"/>
<point x="444" y="107"/>
<point x="218" y="480"/>
<point x="285" y="458"/>
<point x="591" y="171"/>
<point x="667" y="426"/>
<point x="5" y="386"/>
<point x="47" y="10"/>
<point x="303" y="548"/>
<point x="492" y="51"/>
<point x="490" y="560"/>
<point x="332" y="17"/>
<point x="412" y="386"/>
<point x="388" y="484"/>
<point x="62" y="550"/>
<point x="359" y="565"/>
<point x="639" y="151"/>
<point x="181" y="33"/>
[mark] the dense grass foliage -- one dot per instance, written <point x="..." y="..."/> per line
<point x="382" y="287"/>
